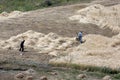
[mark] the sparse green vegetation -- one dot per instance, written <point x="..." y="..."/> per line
<point x="72" y="70"/>
<point x="88" y="68"/>
<point x="27" y="5"/>
<point x="91" y="70"/>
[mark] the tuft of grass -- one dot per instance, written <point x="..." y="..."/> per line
<point x="117" y="76"/>
<point x="87" y="68"/>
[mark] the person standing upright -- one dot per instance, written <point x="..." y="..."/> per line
<point x="22" y="46"/>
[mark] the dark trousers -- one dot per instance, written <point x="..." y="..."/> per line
<point x="21" y="48"/>
<point x="80" y="39"/>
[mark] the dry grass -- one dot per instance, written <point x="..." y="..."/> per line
<point x="97" y="49"/>
<point x="7" y="16"/>
<point x="105" y="17"/>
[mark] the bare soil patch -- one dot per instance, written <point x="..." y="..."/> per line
<point x="50" y="20"/>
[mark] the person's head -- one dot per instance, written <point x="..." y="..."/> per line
<point x="23" y="40"/>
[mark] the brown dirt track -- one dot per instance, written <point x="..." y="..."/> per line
<point x="50" y="20"/>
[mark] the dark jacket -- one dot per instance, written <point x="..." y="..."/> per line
<point x="22" y="43"/>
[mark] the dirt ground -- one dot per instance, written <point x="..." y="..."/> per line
<point x="50" y="20"/>
<point x="62" y="74"/>
<point x="12" y="63"/>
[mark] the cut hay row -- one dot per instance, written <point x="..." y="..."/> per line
<point x="105" y="17"/>
<point x="97" y="50"/>
<point x="13" y="14"/>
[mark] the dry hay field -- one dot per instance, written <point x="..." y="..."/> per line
<point x="50" y="36"/>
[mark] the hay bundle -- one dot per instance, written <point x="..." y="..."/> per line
<point x="105" y="17"/>
<point x="107" y="77"/>
<point x="35" y="40"/>
<point x="52" y="36"/>
<point x="19" y="76"/>
<point x="115" y="41"/>
<point x="29" y="78"/>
